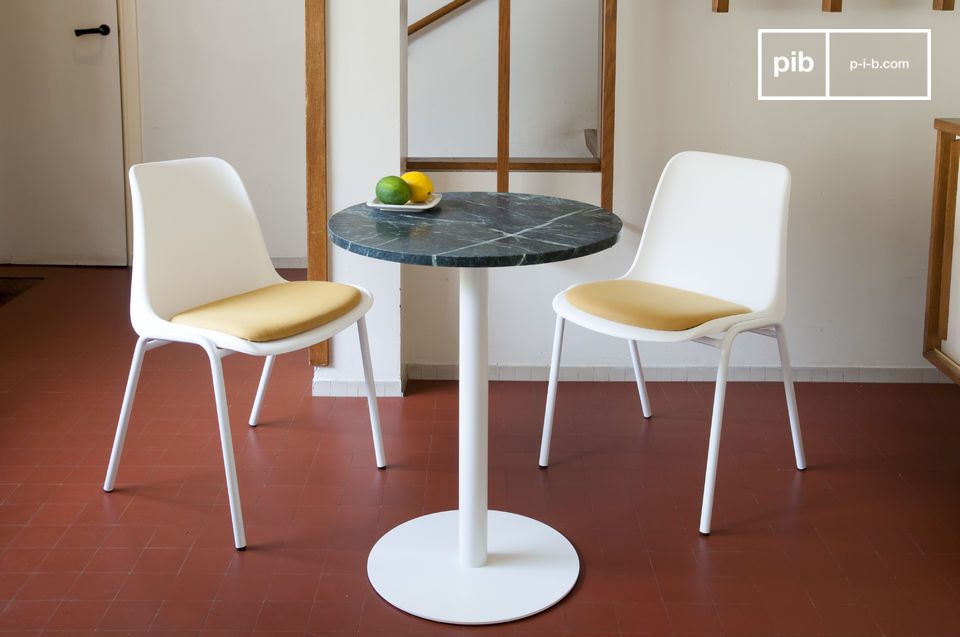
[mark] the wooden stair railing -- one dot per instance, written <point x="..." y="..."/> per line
<point x="430" y="18"/>
<point x="941" y="258"/>
<point x="599" y="141"/>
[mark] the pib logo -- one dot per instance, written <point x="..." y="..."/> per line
<point x="844" y="64"/>
<point x="791" y="64"/>
<point x="796" y="62"/>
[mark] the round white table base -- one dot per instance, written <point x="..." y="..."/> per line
<point x="530" y="567"/>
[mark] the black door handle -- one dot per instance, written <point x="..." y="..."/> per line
<point x="103" y="29"/>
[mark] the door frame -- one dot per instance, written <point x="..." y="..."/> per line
<point x="128" y="41"/>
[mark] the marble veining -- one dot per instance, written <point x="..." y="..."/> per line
<point x="478" y="229"/>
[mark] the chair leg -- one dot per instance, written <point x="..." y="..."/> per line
<point x="226" y="444"/>
<point x="713" y="451"/>
<point x="551" y="394"/>
<point x="111" y="479"/>
<point x="638" y="372"/>
<point x="791" y="397"/>
<point x="371" y="394"/>
<point x="261" y="390"/>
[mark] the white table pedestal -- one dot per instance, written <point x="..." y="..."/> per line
<point x="473" y="566"/>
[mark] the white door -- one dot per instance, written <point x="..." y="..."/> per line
<point x="61" y="148"/>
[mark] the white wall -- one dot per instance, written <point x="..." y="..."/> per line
<point x="226" y="78"/>
<point x="553" y="79"/>
<point x="365" y="128"/>
<point x="862" y="172"/>
<point x="429" y="295"/>
<point x="862" y="184"/>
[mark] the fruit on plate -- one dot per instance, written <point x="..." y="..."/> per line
<point x="420" y="186"/>
<point x="393" y="191"/>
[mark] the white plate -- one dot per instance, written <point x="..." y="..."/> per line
<point x="431" y="201"/>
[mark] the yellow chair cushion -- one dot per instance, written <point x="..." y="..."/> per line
<point x="648" y="305"/>
<point x="274" y="312"/>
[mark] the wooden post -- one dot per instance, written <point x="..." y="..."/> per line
<point x="833" y="6"/>
<point x="942" y="228"/>
<point x="941" y="179"/>
<point x="943" y="5"/>
<point x="608" y="93"/>
<point x="503" y="100"/>
<point x="316" y="123"/>
<point x="721" y="6"/>
<point x="949" y="228"/>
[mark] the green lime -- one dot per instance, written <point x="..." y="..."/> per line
<point x="393" y="191"/>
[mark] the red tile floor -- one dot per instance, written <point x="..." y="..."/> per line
<point x="866" y="542"/>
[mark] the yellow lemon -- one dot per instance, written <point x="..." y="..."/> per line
<point x="420" y="186"/>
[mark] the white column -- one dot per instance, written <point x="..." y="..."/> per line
<point x="369" y="116"/>
<point x="473" y="417"/>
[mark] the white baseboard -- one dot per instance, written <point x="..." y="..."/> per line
<point x="355" y="388"/>
<point x="924" y="375"/>
<point x="693" y="374"/>
<point x="293" y="263"/>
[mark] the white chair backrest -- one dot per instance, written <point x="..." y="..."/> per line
<point x="718" y="226"/>
<point x="196" y="237"/>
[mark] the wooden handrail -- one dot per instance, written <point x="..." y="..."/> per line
<point x="516" y="164"/>
<point x="429" y="19"/>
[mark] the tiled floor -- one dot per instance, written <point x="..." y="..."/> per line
<point x="866" y="542"/>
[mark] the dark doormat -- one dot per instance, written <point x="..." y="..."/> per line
<point x="12" y="287"/>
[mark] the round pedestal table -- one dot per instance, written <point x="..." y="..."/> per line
<point x="474" y="566"/>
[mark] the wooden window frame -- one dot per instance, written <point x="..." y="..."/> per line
<point x="942" y="227"/>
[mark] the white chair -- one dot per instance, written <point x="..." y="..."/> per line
<point x="202" y="275"/>
<point x="712" y="261"/>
